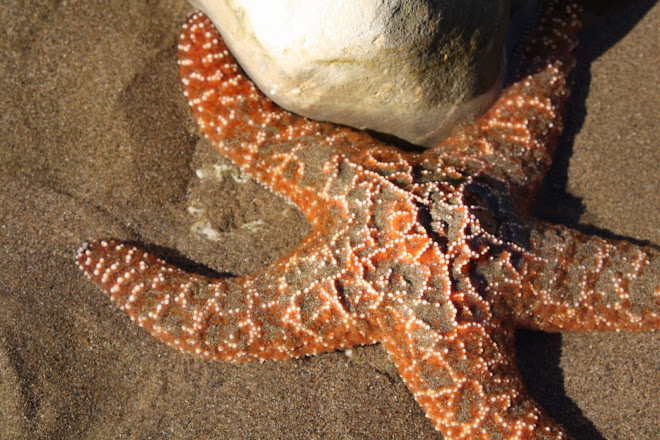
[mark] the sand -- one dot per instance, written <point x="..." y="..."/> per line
<point x="96" y="141"/>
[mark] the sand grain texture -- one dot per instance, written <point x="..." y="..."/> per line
<point x="96" y="141"/>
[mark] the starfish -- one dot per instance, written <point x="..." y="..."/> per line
<point x="433" y="254"/>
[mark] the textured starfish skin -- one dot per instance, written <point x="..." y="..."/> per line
<point x="434" y="255"/>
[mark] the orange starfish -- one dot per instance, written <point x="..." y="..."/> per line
<point x="432" y="254"/>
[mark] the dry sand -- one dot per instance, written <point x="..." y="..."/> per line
<point x="96" y="141"/>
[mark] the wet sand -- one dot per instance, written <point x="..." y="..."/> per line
<point x="96" y="141"/>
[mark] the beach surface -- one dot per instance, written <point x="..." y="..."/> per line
<point x="96" y="141"/>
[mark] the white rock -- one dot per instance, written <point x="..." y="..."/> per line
<point x="410" y="68"/>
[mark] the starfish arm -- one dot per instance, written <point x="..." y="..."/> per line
<point x="271" y="315"/>
<point x="466" y="380"/>
<point x="575" y="281"/>
<point x="515" y="140"/>
<point x="292" y="155"/>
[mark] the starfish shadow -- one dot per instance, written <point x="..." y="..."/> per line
<point x="538" y="352"/>
<point x="553" y="203"/>
<point x="539" y="355"/>
<point x="174" y="257"/>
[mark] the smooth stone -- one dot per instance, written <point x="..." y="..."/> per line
<point x="409" y="68"/>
